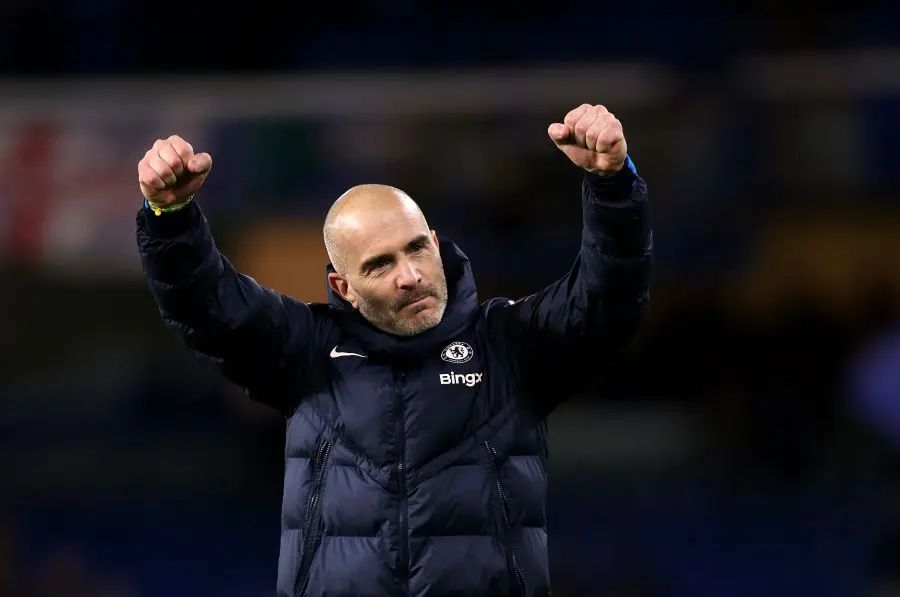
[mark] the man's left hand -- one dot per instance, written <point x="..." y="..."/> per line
<point x="592" y="137"/>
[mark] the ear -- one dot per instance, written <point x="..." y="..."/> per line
<point x="435" y="239"/>
<point x="341" y="286"/>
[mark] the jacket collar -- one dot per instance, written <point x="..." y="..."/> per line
<point x="462" y="305"/>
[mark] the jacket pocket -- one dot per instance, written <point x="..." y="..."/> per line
<point x="313" y="524"/>
<point x="517" y="575"/>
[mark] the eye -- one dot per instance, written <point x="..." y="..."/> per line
<point x="418" y="245"/>
<point x="379" y="264"/>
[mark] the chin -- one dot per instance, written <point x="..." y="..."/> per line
<point x="422" y="321"/>
<point x="417" y="326"/>
<point x="404" y="322"/>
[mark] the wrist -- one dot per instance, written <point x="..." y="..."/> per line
<point x="626" y="164"/>
<point x="161" y="208"/>
<point x="606" y="173"/>
<point x="617" y="185"/>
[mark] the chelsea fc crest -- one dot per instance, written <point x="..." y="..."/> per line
<point x="457" y="352"/>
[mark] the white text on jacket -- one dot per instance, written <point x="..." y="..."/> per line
<point x="470" y="379"/>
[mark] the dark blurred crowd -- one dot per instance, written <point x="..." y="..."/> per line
<point x="65" y="571"/>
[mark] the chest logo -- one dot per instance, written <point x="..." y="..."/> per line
<point x="335" y="354"/>
<point x="457" y="352"/>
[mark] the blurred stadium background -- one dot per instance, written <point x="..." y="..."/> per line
<point x="749" y="444"/>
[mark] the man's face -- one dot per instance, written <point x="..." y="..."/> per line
<point x="394" y="274"/>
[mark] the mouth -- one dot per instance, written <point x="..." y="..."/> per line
<point x="418" y="302"/>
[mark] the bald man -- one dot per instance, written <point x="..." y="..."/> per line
<point x="415" y="449"/>
<point x="362" y="230"/>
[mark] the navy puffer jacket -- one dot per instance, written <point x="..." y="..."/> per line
<point x="413" y="465"/>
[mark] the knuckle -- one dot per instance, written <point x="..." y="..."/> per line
<point x="578" y="111"/>
<point x="170" y="157"/>
<point x="163" y="170"/>
<point x="180" y="144"/>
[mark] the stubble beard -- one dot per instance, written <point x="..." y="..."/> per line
<point x="393" y="319"/>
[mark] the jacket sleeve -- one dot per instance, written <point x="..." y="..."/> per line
<point x="576" y="323"/>
<point x="255" y="336"/>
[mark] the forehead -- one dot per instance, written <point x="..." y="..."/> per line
<point x="381" y="229"/>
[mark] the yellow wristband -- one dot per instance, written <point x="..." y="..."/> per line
<point x="161" y="209"/>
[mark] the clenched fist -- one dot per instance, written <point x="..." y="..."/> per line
<point x="592" y="137"/>
<point x="170" y="172"/>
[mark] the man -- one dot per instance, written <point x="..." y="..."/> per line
<point x="416" y="436"/>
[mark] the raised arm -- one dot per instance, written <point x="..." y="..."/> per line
<point x="254" y="335"/>
<point x="594" y="309"/>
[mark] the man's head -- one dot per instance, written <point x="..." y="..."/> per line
<point x="387" y="261"/>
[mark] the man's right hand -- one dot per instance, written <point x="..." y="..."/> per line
<point x="170" y="172"/>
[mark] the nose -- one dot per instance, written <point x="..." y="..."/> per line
<point x="408" y="275"/>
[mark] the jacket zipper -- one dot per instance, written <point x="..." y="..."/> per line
<point x="401" y="480"/>
<point x="507" y="522"/>
<point x="311" y="536"/>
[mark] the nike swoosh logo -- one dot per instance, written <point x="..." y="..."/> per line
<point x="335" y="354"/>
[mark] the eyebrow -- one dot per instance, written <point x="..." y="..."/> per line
<point x="368" y="263"/>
